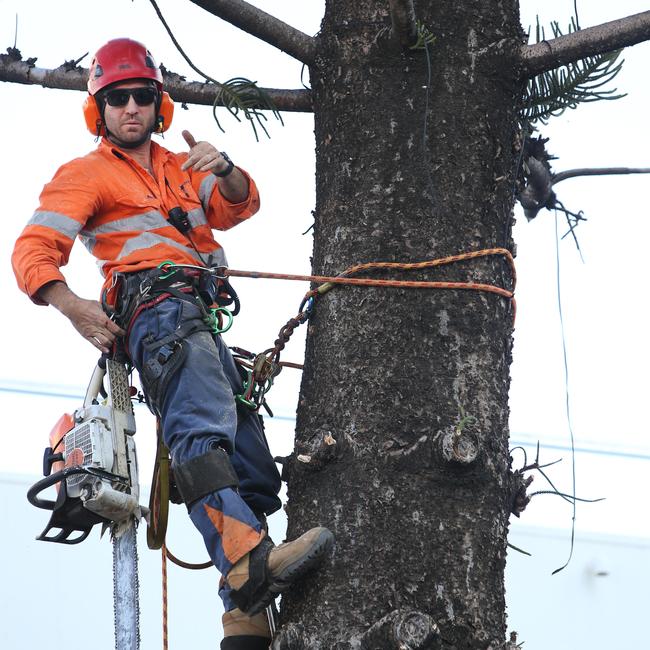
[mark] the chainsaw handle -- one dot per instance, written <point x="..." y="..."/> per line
<point x="48" y="481"/>
<point x="95" y="387"/>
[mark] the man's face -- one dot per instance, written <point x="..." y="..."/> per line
<point x="131" y="122"/>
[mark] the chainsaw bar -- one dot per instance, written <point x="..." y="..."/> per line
<point x="126" y="590"/>
<point x="124" y="534"/>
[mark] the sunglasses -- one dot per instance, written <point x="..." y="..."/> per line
<point x="119" y="97"/>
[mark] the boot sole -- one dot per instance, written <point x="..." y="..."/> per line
<point x="313" y="557"/>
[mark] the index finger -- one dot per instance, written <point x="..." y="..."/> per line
<point x="189" y="138"/>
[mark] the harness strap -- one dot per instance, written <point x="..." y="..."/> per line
<point x="183" y="331"/>
<point x="258" y="583"/>
<point x="139" y="290"/>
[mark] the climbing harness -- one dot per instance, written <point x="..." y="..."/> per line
<point x="205" y="301"/>
<point x="134" y="292"/>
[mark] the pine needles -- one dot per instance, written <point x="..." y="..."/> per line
<point x="245" y="96"/>
<point x="425" y="37"/>
<point x="237" y="94"/>
<point x="549" y="94"/>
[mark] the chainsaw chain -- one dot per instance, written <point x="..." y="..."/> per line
<point x="125" y="546"/>
<point x="130" y="566"/>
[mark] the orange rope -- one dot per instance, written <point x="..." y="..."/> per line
<point x="343" y="279"/>
<point x="164" y="597"/>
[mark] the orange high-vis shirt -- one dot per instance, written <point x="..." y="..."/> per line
<point x="119" y="212"/>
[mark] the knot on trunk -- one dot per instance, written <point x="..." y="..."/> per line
<point x="520" y="498"/>
<point x="459" y="446"/>
<point x="313" y="455"/>
<point x="402" y="630"/>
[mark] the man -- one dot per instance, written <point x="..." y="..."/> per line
<point x="137" y="207"/>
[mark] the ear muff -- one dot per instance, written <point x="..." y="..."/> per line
<point x="95" y="124"/>
<point x="93" y="119"/>
<point x="165" y="113"/>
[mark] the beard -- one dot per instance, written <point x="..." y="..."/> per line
<point x="131" y="144"/>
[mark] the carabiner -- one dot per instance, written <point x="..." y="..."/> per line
<point x="166" y="274"/>
<point x="214" y="311"/>
<point x="214" y="271"/>
<point x="307" y="305"/>
<point x="246" y="402"/>
<point x="247" y="390"/>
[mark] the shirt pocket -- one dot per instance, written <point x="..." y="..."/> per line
<point x="135" y="212"/>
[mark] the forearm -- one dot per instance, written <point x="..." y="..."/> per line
<point x="60" y="296"/>
<point x="87" y="316"/>
<point x="234" y="187"/>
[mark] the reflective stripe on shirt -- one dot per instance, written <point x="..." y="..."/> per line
<point x="147" y="240"/>
<point x="205" y="190"/>
<point x="63" y="224"/>
<point x="216" y="257"/>
<point x="197" y="217"/>
<point x="140" y="222"/>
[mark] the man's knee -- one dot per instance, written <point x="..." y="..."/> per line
<point x="204" y="474"/>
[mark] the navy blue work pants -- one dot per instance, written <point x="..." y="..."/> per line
<point x="198" y="413"/>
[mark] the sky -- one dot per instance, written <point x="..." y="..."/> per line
<point x="604" y="298"/>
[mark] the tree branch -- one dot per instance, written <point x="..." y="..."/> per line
<point x="607" y="37"/>
<point x="598" y="171"/>
<point x="268" y="28"/>
<point x="402" y="15"/>
<point x="68" y="77"/>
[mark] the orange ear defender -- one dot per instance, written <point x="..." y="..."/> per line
<point x="95" y="124"/>
<point x="91" y="115"/>
<point x="165" y="113"/>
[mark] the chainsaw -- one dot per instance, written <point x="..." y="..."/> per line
<point x="92" y="462"/>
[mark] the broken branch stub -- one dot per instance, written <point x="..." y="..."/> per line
<point x="402" y="629"/>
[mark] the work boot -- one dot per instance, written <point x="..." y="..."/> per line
<point x="268" y="570"/>
<point x="244" y="632"/>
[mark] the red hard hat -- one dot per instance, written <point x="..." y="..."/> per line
<point x="119" y="60"/>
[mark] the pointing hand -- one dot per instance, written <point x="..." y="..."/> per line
<point x="203" y="157"/>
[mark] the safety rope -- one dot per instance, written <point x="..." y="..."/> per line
<point x="157" y="524"/>
<point x="165" y="635"/>
<point x="343" y="278"/>
<point x="188" y="565"/>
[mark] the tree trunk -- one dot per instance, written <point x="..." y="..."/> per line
<point x="417" y="496"/>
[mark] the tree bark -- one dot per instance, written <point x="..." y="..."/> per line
<point x="402" y="15"/>
<point x="390" y="373"/>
